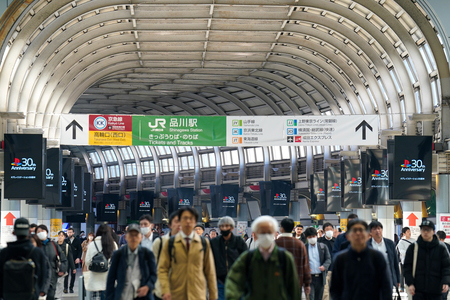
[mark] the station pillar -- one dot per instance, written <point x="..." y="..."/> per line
<point x="442" y="193"/>
<point x="385" y="215"/>
<point x="294" y="212"/>
<point x="364" y="214"/>
<point x="33" y="214"/>
<point x="90" y="223"/>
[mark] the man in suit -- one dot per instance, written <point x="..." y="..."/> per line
<point x="132" y="274"/>
<point x="387" y="248"/>
<point x="148" y="235"/>
<point x="319" y="262"/>
<point x="75" y="244"/>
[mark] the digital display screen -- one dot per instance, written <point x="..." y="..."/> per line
<point x="107" y="208"/>
<point x="351" y="181"/>
<point x="275" y="197"/>
<point x="67" y="200"/>
<point x="376" y="177"/>
<point x="87" y="197"/>
<point x="333" y="190"/>
<point x="180" y="197"/>
<point x="224" y="200"/>
<point x="53" y="177"/>
<point x="141" y="203"/>
<point x="318" y="203"/>
<point x="78" y="188"/>
<point x="24" y="166"/>
<point x="412" y="168"/>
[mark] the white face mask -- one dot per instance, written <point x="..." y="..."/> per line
<point x="91" y="237"/>
<point x="265" y="240"/>
<point x="329" y="234"/>
<point x="312" y="241"/>
<point x="42" y="235"/>
<point x="145" y="230"/>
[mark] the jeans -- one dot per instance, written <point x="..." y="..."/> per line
<point x="316" y="287"/>
<point x="72" y="279"/>
<point x="221" y="291"/>
<point x="422" y="296"/>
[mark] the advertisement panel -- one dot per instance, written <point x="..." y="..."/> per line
<point x="107" y="208"/>
<point x="333" y="190"/>
<point x="180" y="197"/>
<point x="141" y="203"/>
<point x="275" y="197"/>
<point x="318" y="203"/>
<point x="67" y="200"/>
<point x="78" y="188"/>
<point x="443" y="223"/>
<point x="412" y="168"/>
<point x="87" y="195"/>
<point x="351" y="181"/>
<point x="224" y="200"/>
<point x="376" y="177"/>
<point x="24" y="166"/>
<point x="53" y="177"/>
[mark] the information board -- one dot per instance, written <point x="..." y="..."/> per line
<point x="78" y="188"/>
<point x="67" y="183"/>
<point x="443" y="223"/>
<point x="224" y="200"/>
<point x="413" y="219"/>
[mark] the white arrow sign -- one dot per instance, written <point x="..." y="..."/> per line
<point x="74" y="130"/>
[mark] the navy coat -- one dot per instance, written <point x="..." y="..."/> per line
<point x="118" y="272"/>
<point x="393" y="260"/>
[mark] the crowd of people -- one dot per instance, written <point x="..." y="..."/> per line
<point x="278" y="261"/>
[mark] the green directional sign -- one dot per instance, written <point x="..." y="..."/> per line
<point x="179" y="130"/>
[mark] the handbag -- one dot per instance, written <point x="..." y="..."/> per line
<point x="398" y="296"/>
<point x="58" y="261"/>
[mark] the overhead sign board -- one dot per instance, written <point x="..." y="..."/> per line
<point x="120" y="130"/>
<point x="8" y="219"/>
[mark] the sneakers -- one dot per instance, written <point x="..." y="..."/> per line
<point x="65" y="291"/>
<point x="71" y="291"/>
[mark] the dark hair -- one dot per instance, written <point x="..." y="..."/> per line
<point x="37" y="240"/>
<point x="70" y="229"/>
<point x="326" y="225"/>
<point x="212" y="231"/>
<point x="42" y="226"/>
<point x="310" y="231"/>
<point x="299" y="225"/>
<point x="339" y="229"/>
<point x="352" y="216"/>
<point x="172" y="216"/>
<point x="146" y="217"/>
<point x="104" y="231"/>
<point x="356" y="222"/>
<point x="287" y="224"/>
<point x="188" y="209"/>
<point x="405" y="229"/>
<point x="201" y="226"/>
<point x="91" y="233"/>
<point x="441" y="235"/>
<point x="62" y="233"/>
<point x="32" y="225"/>
<point x="375" y="224"/>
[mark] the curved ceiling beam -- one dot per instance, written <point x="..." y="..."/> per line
<point x="232" y="99"/>
<point x="203" y="100"/>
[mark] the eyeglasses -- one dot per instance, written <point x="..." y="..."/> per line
<point x="356" y="230"/>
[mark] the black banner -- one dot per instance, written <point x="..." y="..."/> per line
<point x="275" y="196"/>
<point x="318" y="203"/>
<point x="24" y="166"/>
<point x="53" y="177"/>
<point x="412" y="168"/>
<point x="376" y="177"/>
<point x="87" y="193"/>
<point x="78" y="188"/>
<point x="333" y="190"/>
<point x="224" y="200"/>
<point x="351" y="181"/>
<point x="180" y="197"/>
<point x="141" y="204"/>
<point x="67" y="183"/>
<point x="107" y="208"/>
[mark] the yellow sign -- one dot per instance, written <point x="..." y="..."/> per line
<point x="55" y="227"/>
<point x="344" y="224"/>
<point x="119" y="138"/>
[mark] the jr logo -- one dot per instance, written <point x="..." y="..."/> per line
<point x="158" y="122"/>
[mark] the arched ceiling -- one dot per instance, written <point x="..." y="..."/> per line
<point x="220" y="57"/>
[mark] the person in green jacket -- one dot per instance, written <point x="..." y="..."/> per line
<point x="267" y="272"/>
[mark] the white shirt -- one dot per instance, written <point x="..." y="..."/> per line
<point x="285" y="235"/>
<point x="147" y="242"/>
<point x="402" y="246"/>
<point x="184" y="235"/>
<point x="382" y="248"/>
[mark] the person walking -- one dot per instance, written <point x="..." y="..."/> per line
<point x="427" y="265"/>
<point x="67" y="249"/>
<point x="122" y="240"/>
<point x="360" y="272"/>
<point x="103" y="243"/>
<point x="268" y="272"/>
<point x="442" y="236"/>
<point x="342" y="241"/>
<point x="226" y="249"/>
<point x="319" y="262"/>
<point x="132" y="274"/>
<point x="148" y="235"/>
<point x="56" y="257"/>
<point x="84" y="247"/>
<point x="402" y="246"/>
<point x="174" y="226"/>
<point x="328" y="239"/>
<point x="188" y="258"/>
<point x="12" y="287"/>
<point x="298" y="234"/>
<point x="298" y="250"/>
<point x="75" y="244"/>
<point x="252" y="243"/>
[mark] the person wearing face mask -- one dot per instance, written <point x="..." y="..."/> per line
<point x="67" y="249"/>
<point x="319" y="262"/>
<point x="53" y="253"/>
<point x="148" y="236"/>
<point x="328" y="239"/>
<point x="226" y="249"/>
<point x="84" y="247"/>
<point x="268" y="272"/>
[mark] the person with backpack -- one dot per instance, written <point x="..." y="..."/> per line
<point x="268" y="272"/>
<point x="189" y="260"/>
<point x="360" y="272"/>
<point x="174" y="226"/>
<point x="56" y="257"/>
<point x="401" y="248"/>
<point x="98" y="256"/>
<point x="427" y="265"/>
<point x="67" y="249"/>
<point x="133" y="270"/>
<point x="252" y="242"/>
<point x="226" y="248"/>
<point x="24" y="273"/>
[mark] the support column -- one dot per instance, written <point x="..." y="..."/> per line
<point x="442" y="193"/>
<point x="122" y="220"/>
<point x="56" y="223"/>
<point x="385" y="216"/>
<point x="76" y="228"/>
<point x="33" y="214"/>
<point x="24" y="209"/>
<point x="7" y="206"/>
<point x="414" y="206"/>
<point x="90" y="223"/>
<point x="46" y="216"/>
<point x="365" y="214"/>
<point x="294" y="212"/>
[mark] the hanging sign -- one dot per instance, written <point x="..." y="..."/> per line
<point x="333" y="190"/>
<point x="318" y="199"/>
<point x="141" y="203"/>
<point x="413" y="219"/>
<point x="351" y="181"/>
<point x="224" y="200"/>
<point x="8" y="219"/>
<point x="275" y="197"/>
<point x="180" y="197"/>
<point x="376" y="177"/>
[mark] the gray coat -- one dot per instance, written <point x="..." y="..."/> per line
<point x="325" y="258"/>
<point x="49" y="251"/>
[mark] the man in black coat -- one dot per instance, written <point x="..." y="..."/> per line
<point x="429" y="277"/>
<point x="22" y="249"/>
<point x="75" y="244"/>
<point x="359" y="272"/>
<point x="387" y="248"/>
<point x="226" y="249"/>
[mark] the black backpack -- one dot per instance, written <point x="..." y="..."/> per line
<point x="19" y="278"/>
<point x="99" y="263"/>
<point x="172" y="241"/>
